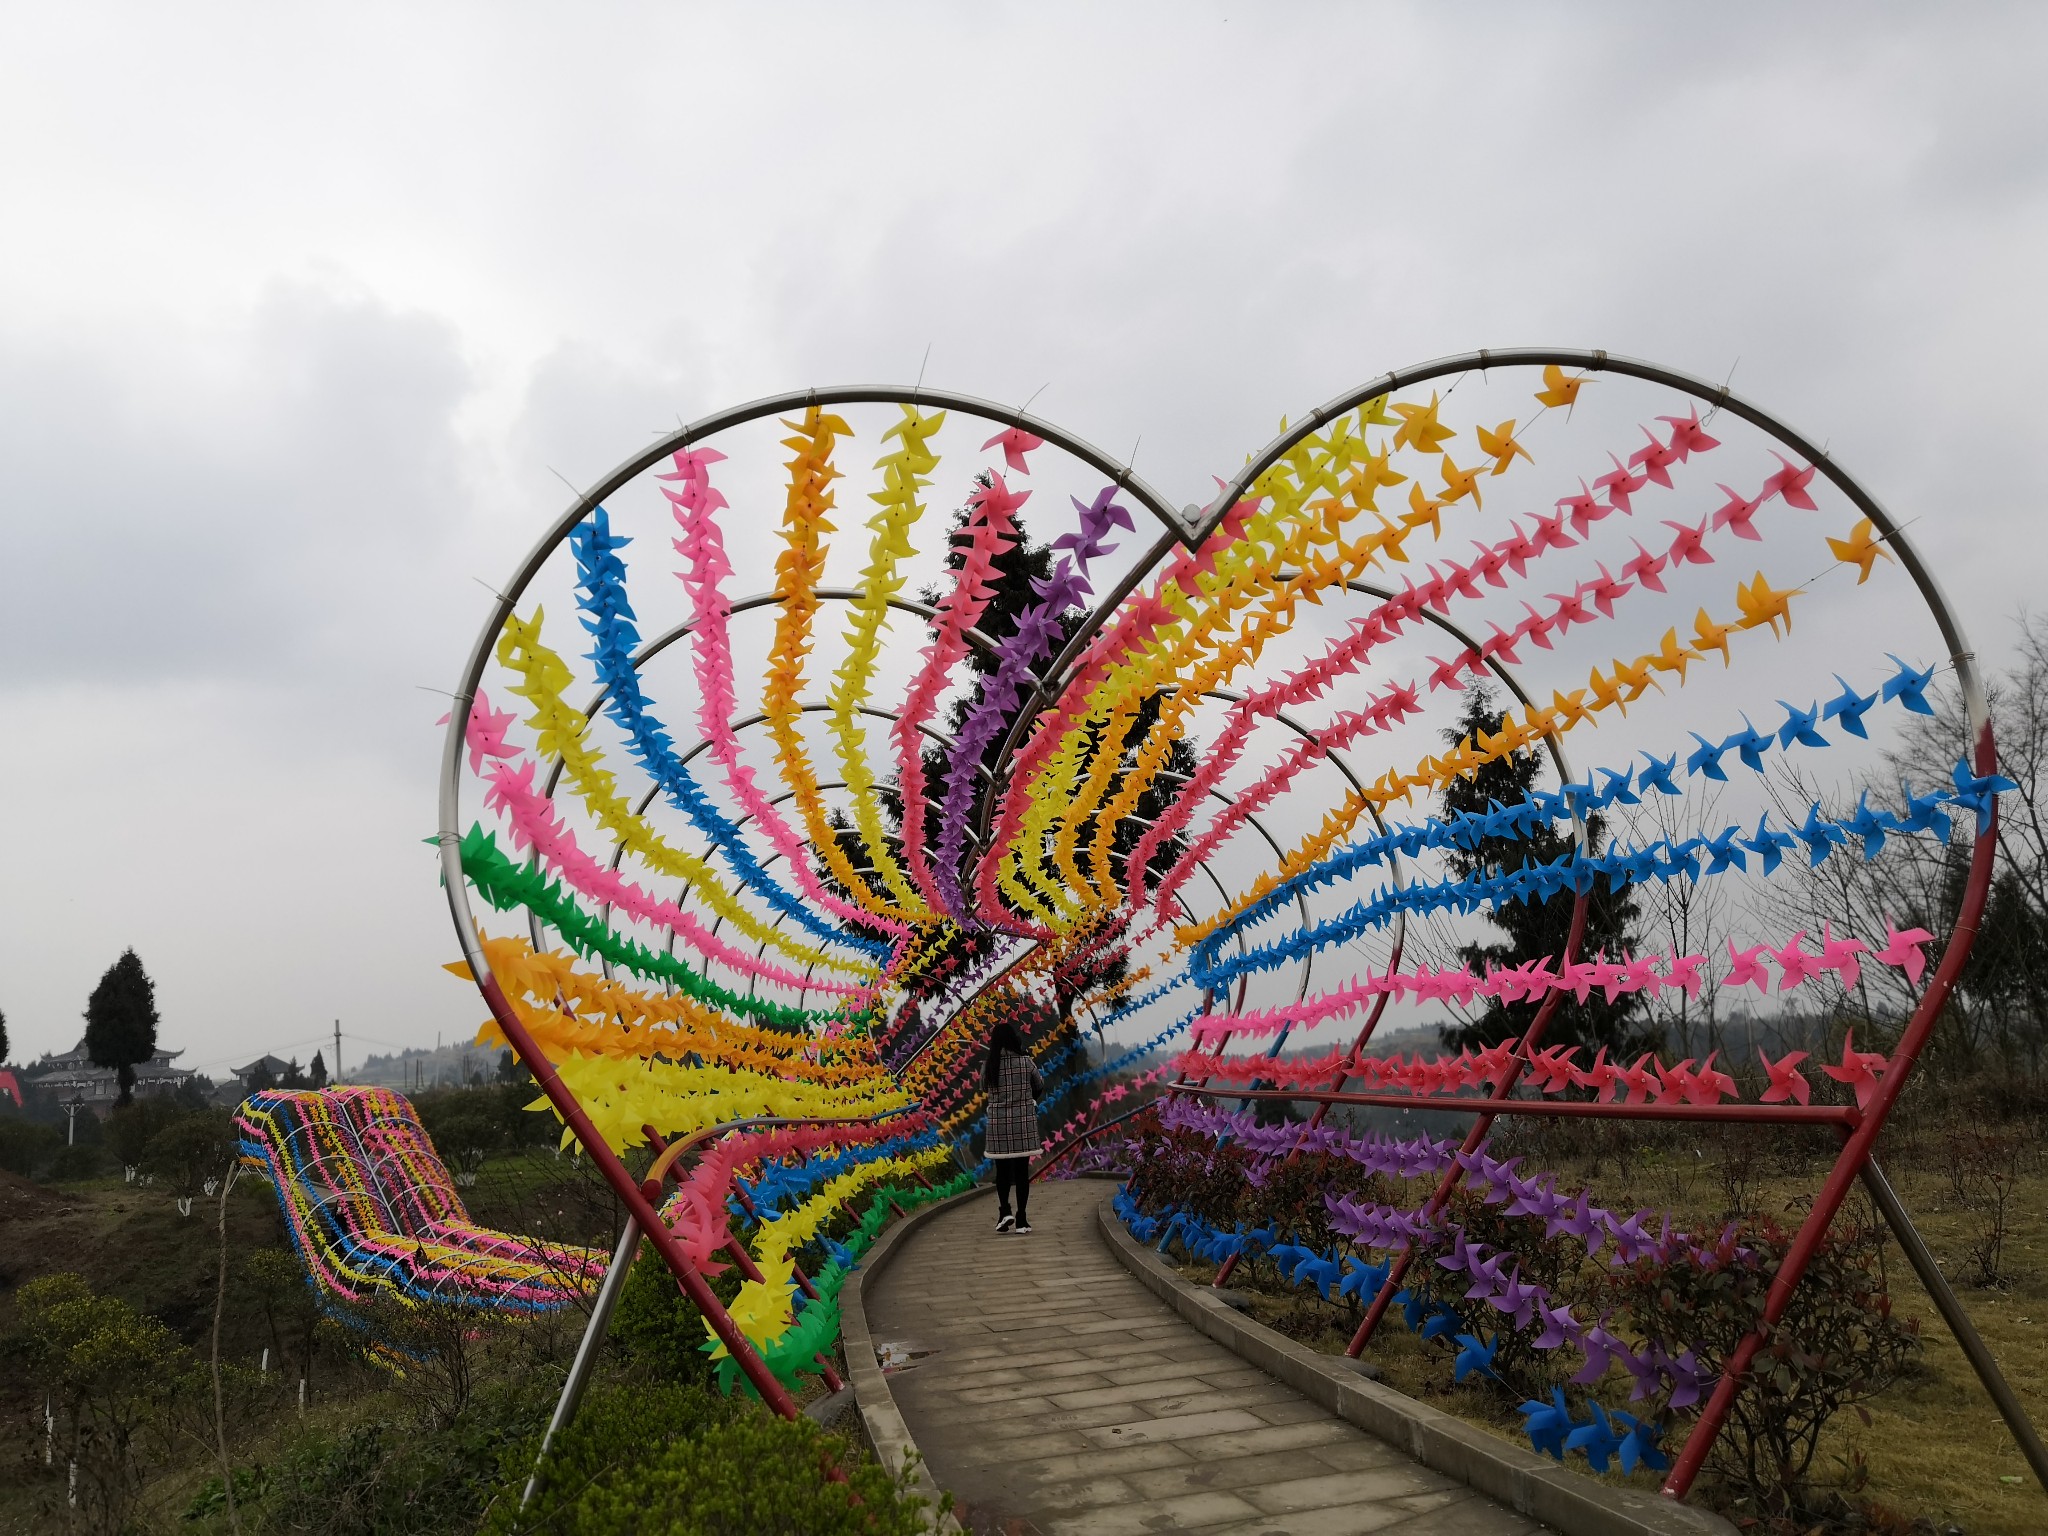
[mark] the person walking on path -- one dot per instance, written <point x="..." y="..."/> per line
<point x="1010" y="1139"/>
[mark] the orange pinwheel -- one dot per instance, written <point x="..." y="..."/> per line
<point x="1500" y="445"/>
<point x="1559" y="388"/>
<point x="1861" y="549"/>
<point x="1419" y="427"/>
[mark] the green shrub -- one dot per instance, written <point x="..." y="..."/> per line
<point x="392" y="1478"/>
<point x="658" y="1328"/>
<point x="1837" y="1345"/>
<point x="113" y="1376"/>
<point x="747" y="1473"/>
<point x="84" y="1161"/>
<point x="131" y="1126"/>
<point x="189" y="1150"/>
<point x="26" y="1146"/>
<point x="617" y="1425"/>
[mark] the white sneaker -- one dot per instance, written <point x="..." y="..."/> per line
<point x="1005" y="1223"/>
<point x="1023" y="1229"/>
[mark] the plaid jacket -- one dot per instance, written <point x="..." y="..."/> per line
<point x="1012" y="1129"/>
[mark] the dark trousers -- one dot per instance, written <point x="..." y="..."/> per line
<point x="1012" y="1173"/>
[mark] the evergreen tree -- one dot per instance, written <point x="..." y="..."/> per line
<point x="261" y="1080"/>
<point x="1534" y="929"/>
<point x="121" y="1020"/>
<point x="316" y="1074"/>
<point x="3" y="1037"/>
<point x="294" y="1075"/>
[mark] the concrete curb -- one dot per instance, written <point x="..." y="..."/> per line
<point x="888" y="1435"/>
<point x="1531" y="1484"/>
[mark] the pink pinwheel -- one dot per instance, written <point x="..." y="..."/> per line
<point x="485" y="732"/>
<point x="1859" y="1069"/>
<point x="1690" y="545"/>
<point x="1446" y="673"/>
<point x="1603" y="1077"/>
<point x="1675" y="1084"/>
<point x="1457" y="581"/>
<point x="1655" y="458"/>
<point x="1606" y="590"/>
<point x="1710" y="1085"/>
<point x="1489" y="564"/>
<point x="1643" y="1082"/>
<point x="1736" y="514"/>
<point x="1584" y="509"/>
<point x="1647" y="568"/>
<point x="1519" y="550"/>
<point x="1791" y="484"/>
<point x="1688" y="437"/>
<point x="1551" y="1070"/>
<point x="1016" y="442"/>
<point x="1494" y="1063"/>
<point x="1620" y="485"/>
<point x="1795" y="962"/>
<point x="1749" y="967"/>
<point x="1550" y="533"/>
<point x="1902" y="949"/>
<point x="1839" y="955"/>
<point x="1571" y="609"/>
<point x="1684" y="971"/>
<point x="1580" y="978"/>
<point x="1536" y="627"/>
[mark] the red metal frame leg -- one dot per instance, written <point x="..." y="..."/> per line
<point x="1855" y="1151"/>
<point x="1454" y="1174"/>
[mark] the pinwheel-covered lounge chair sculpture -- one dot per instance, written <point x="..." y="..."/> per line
<point x="830" y="729"/>
<point x="371" y="1208"/>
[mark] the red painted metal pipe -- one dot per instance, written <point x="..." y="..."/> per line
<point x="1855" y="1151"/>
<point x="1372" y="1020"/>
<point x="642" y="1210"/>
<point x="1757" y="1114"/>
<point x="745" y="1260"/>
<point x="1517" y="1063"/>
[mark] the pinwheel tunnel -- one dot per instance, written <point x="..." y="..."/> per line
<point x="1005" y="735"/>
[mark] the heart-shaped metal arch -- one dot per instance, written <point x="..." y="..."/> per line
<point x="1191" y="527"/>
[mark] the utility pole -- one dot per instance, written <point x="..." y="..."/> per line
<point x="335" y="1075"/>
<point x="71" y="1122"/>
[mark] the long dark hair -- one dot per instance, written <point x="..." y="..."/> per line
<point x="1003" y="1037"/>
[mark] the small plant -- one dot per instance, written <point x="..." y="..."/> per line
<point x="1837" y="1346"/>
<point x="1984" y="1172"/>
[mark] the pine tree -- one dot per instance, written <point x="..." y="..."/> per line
<point x="121" y="1020"/>
<point x="316" y="1074"/>
<point x="3" y="1037"/>
<point x="1535" y="929"/>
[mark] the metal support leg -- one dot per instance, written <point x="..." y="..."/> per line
<point x="586" y="1352"/>
<point x="1950" y="1306"/>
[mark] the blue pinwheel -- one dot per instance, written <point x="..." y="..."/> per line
<point x="1548" y="1423"/>
<point x="1598" y="1439"/>
<point x="1475" y="1354"/>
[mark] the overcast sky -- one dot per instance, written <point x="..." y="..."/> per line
<point x="303" y="312"/>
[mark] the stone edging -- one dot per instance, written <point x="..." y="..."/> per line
<point x="1534" y="1485"/>
<point x="887" y="1434"/>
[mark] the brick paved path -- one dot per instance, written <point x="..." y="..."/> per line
<point x="1062" y="1398"/>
